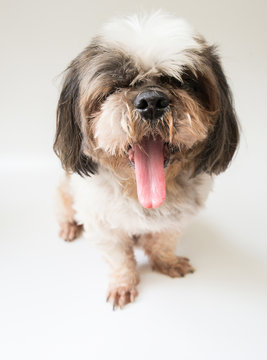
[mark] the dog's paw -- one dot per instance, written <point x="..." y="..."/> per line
<point x="176" y="268"/>
<point x="121" y="296"/>
<point x="70" y="231"/>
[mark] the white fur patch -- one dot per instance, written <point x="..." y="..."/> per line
<point x="108" y="132"/>
<point x="156" y="41"/>
<point x="101" y="206"/>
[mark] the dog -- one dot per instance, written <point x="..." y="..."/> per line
<point x="145" y="120"/>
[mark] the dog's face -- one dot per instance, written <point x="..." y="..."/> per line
<point x="146" y="98"/>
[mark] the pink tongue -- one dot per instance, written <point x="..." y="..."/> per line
<point x="149" y="172"/>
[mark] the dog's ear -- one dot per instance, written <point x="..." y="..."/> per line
<point x="221" y="144"/>
<point x="68" y="139"/>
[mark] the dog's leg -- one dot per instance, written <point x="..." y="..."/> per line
<point x="69" y="229"/>
<point x="160" y="248"/>
<point x="123" y="275"/>
<point x="117" y="250"/>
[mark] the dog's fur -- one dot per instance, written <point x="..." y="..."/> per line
<point x="97" y="124"/>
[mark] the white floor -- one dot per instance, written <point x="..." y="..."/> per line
<point x="53" y="293"/>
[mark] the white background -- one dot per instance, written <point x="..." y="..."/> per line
<point x="52" y="294"/>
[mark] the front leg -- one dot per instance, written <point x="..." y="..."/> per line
<point x="161" y="248"/>
<point x="69" y="228"/>
<point x="117" y="250"/>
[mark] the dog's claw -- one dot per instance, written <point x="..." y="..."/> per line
<point x="70" y="231"/>
<point x="121" y="296"/>
<point x="176" y="268"/>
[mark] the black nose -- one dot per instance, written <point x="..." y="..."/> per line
<point x="151" y="104"/>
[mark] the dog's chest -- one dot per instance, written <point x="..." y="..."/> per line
<point x="100" y="201"/>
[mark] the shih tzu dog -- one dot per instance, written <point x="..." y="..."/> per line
<point x="144" y="120"/>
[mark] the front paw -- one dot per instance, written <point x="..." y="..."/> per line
<point x="70" y="231"/>
<point x="122" y="295"/>
<point x="177" y="267"/>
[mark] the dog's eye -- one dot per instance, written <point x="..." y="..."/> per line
<point x="170" y="80"/>
<point x="190" y="83"/>
<point x="137" y="83"/>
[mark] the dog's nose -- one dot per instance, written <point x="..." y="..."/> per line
<point x="151" y="104"/>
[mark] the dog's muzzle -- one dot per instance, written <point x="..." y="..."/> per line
<point x="151" y="104"/>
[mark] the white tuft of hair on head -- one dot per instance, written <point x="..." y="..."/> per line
<point x="155" y="40"/>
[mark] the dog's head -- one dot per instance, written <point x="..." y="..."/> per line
<point x="146" y="98"/>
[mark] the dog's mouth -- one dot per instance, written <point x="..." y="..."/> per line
<point x="149" y="159"/>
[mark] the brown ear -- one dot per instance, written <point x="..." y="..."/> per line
<point x="222" y="142"/>
<point x="68" y="139"/>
